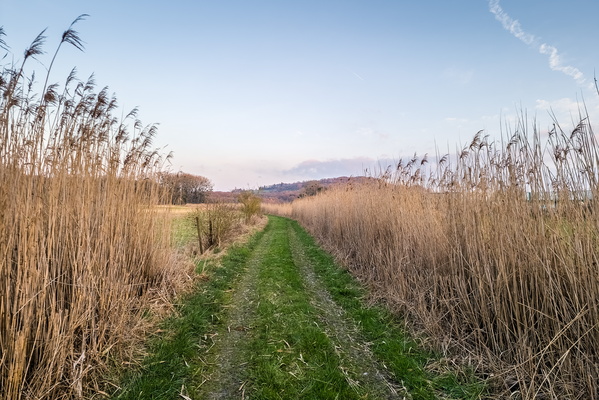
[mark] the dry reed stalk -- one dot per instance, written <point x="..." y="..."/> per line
<point x="281" y="209"/>
<point x="81" y="249"/>
<point x="495" y="249"/>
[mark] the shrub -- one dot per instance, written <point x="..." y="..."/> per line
<point x="216" y="222"/>
<point x="250" y="204"/>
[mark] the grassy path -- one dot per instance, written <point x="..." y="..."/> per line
<point x="278" y="320"/>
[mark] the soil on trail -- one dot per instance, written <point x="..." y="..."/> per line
<point x="229" y="353"/>
<point x="357" y="362"/>
<point x="277" y="319"/>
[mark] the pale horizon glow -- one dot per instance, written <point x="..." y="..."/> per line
<point x="257" y="93"/>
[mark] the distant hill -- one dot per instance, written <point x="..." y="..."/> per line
<point x="287" y="192"/>
<point x="287" y="187"/>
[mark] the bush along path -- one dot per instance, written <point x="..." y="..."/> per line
<point x="277" y="319"/>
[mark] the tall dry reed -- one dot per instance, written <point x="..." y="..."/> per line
<point x="80" y="248"/>
<point x="282" y="209"/>
<point x="495" y="249"/>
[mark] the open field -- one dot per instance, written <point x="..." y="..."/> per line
<point x="493" y="253"/>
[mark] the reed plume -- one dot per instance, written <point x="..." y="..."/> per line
<point x="81" y="249"/>
<point x="493" y="249"/>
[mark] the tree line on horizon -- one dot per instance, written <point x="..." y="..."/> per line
<point x="186" y="188"/>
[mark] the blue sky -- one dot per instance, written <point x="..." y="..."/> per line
<point x="250" y="93"/>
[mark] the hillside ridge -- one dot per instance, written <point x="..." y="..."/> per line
<point x="287" y="192"/>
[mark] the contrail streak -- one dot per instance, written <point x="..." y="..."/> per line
<point x="513" y="26"/>
<point x="355" y="74"/>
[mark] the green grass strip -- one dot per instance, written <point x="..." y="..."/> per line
<point x="285" y="352"/>
<point x="173" y="353"/>
<point x="390" y="343"/>
<point x="291" y="356"/>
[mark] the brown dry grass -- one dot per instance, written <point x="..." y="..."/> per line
<point x="281" y="209"/>
<point x="493" y="251"/>
<point x="81" y="257"/>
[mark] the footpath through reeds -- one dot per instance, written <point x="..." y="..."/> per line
<point x="494" y="252"/>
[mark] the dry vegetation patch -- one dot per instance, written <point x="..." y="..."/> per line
<point x="83" y="254"/>
<point x="494" y="251"/>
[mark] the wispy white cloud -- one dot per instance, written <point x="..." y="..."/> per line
<point x="456" y="120"/>
<point x="567" y="109"/>
<point x="563" y="109"/>
<point x="509" y="24"/>
<point x="370" y="132"/>
<point x="316" y="169"/>
<point x="354" y="73"/>
<point x="565" y="104"/>
<point x="555" y="62"/>
<point x="458" y="75"/>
